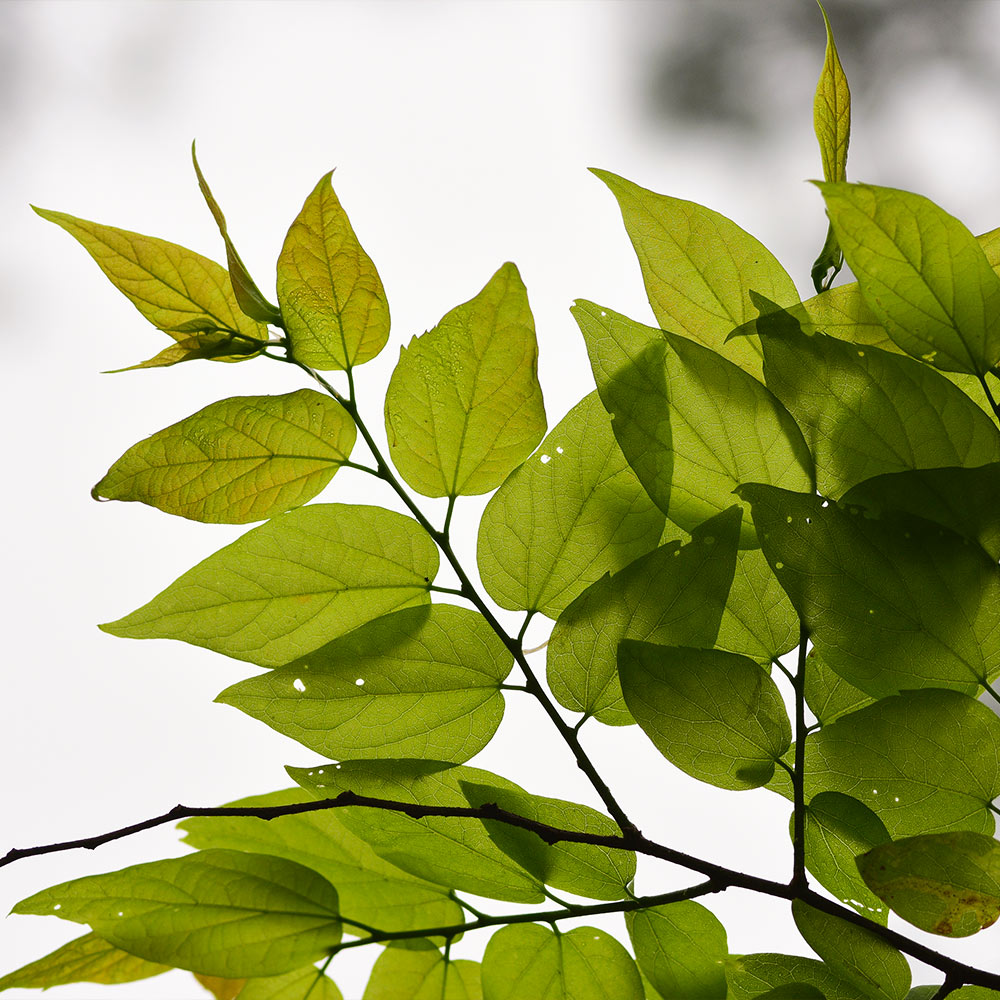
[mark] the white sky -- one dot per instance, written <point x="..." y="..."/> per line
<point x="461" y="133"/>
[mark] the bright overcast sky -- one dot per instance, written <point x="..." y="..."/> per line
<point x="461" y="134"/>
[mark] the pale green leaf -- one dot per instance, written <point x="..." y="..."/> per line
<point x="528" y="960"/>
<point x="698" y="268"/>
<point x="237" y="460"/>
<point x="922" y="273"/>
<point x="224" y="913"/>
<point x="414" y="973"/>
<point x="570" y="514"/>
<point x="675" y="595"/>
<point x="330" y="294"/>
<point x="453" y="852"/>
<point x="858" y="955"/>
<point x="750" y="977"/>
<point x="302" y="984"/>
<point x="944" y="883"/>
<point x="890" y="605"/>
<point x="220" y="988"/>
<point x="287" y="587"/>
<point x="87" y="959"/>
<point x="371" y="890"/>
<point x="691" y="424"/>
<point x="464" y="407"/>
<point x="583" y="869"/>
<point x="717" y="716"/>
<point x="422" y="682"/>
<point x="681" y="948"/>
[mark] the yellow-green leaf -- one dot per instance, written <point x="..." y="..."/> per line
<point x="464" y="407"/>
<point x="331" y="297"/>
<point x="418" y="971"/>
<point x="211" y="346"/>
<point x="237" y="460"/>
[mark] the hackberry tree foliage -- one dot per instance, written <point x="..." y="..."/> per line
<point x="761" y="486"/>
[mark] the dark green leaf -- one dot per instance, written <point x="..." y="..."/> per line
<point x="675" y="594"/>
<point x="571" y="513"/>
<point x="224" y="913"/>
<point x="464" y="407"/>
<point x="828" y="695"/>
<point x="422" y="974"/>
<point x="286" y="587"/>
<point x="422" y="682"/>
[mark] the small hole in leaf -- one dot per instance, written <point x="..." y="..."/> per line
<point x="545" y="459"/>
<point x="360" y="682"/>
<point x="298" y="685"/>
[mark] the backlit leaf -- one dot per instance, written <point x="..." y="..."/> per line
<point x="302" y="984"/>
<point x="220" y="988"/>
<point x="717" y="716"/>
<point x="413" y="973"/>
<point x="464" y="407"/>
<point x="211" y="345"/>
<point x="750" y="977"/>
<point x="224" y="913"/>
<point x="528" y="960"/>
<point x="457" y="853"/>
<point x="87" y="959"/>
<point x="675" y="595"/>
<point x="287" y="587"/>
<point x="681" y="948"/>
<point x="583" y="869"/>
<point x="922" y="273"/>
<point x="889" y="605"/>
<point x="422" y="682"/>
<point x="944" y="883"/>
<point x="828" y="695"/>
<point x="570" y="514"/>
<point x="698" y="268"/>
<point x="237" y="460"/>
<point x="330" y="294"/>
<point x="371" y="890"/>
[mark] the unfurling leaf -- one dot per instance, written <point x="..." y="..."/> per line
<point x="237" y="460"/>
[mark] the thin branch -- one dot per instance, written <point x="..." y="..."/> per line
<point x="989" y="396"/>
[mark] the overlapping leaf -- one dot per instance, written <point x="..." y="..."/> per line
<point x="331" y="297"/>
<point x="371" y="890"/>
<point x="675" y="594"/>
<point x="457" y="853"/>
<point x="464" y="407"/>
<point x="528" y="960"/>
<point x="287" y="587"/>
<point x="717" y="716"/>
<point x="225" y="913"/>
<point x="681" y="949"/>
<point x="414" y="973"/>
<point x="237" y="460"/>
<point x="945" y="883"/>
<point x="698" y="268"/>
<point x="303" y="984"/>
<point x="691" y="424"/>
<point x="753" y="977"/>
<point x="890" y="605"/>
<point x="422" y="682"/>
<point x="571" y="513"/>
<point x="827" y="694"/>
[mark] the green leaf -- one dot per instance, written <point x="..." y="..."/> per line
<point x="87" y="959"/>
<point x="422" y="682"/>
<point x="923" y="274"/>
<point x="224" y="913"/>
<point x="527" y="960"/>
<point x="464" y="407"/>
<point x="453" y="852"/>
<point x="890" y="605"/>
<point x="675" y="595"/>
<point x="832" y="123"/>
<point x="698" y="268"/>
<point x="865" y="411"/>
<point x="681" y="948"/>
<point x="331" y="297"/>
<point x="750" y="977"/>
<point x="583" y="869"/>
<point x="924" y="761"/>
<point x="237" y="460"/>
<point x="248" y="295"/>
<point x="944" y="883"/>
<point x="692" y="424"/>
<point x="963" y="500"/>
<point x="220" y="988"/>
<point x="837" y="829"/>
<point x="303" y="984"/>
<point x="371" y="890"/>
<point x="717" y="716"/>
<point x="572" y="513"/>
<point x="876" y="968"/>
<point x="827" y="694"/>
<point x="286" y="587"/>
<point x="422" y="974"/>
<point x="792" y="991"/>
<point x="211" y="346"/>
<point x="176" y="289"/>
